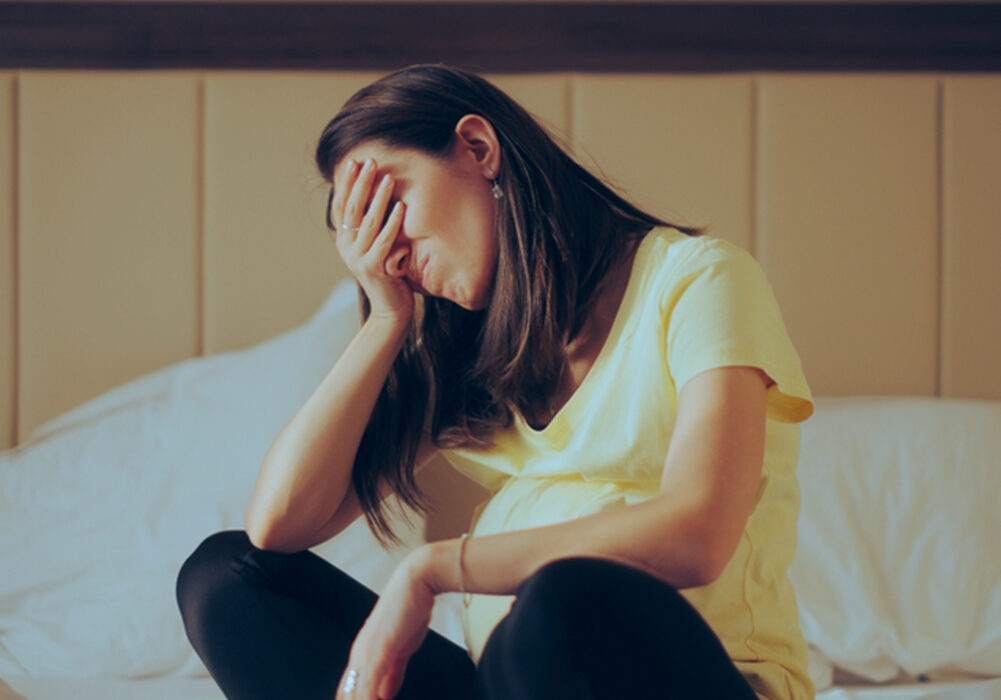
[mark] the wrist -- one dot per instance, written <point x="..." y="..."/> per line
<point x="391" y="333"/>
<point x="392" y="324"/>
<point x="434" y="564"/>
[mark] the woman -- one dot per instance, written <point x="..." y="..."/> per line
<point x="624" y="386"/>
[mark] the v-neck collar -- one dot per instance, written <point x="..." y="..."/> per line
<point x="559" y="423"/>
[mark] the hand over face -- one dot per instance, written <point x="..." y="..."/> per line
<point x="365" y="250"/>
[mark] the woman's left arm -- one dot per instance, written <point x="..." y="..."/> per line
<point x="684" y="535"/>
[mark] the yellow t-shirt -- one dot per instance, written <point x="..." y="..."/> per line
<point x="691" y="304"/>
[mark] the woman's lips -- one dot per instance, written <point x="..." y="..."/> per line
<point x="419" y="278"/>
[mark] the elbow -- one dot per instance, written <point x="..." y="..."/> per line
<point x="260" y="534"/>
<point x="257" y="535"/>
<point x="706" y="570"/>
<point x="266" y="540"/>
<point x="714" y="557"/>
<point x="252" y="525"/>
<point x="270" y="536"/>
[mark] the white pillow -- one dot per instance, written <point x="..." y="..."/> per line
<point x="898" y="565"/>
<point x="99" y="509"/>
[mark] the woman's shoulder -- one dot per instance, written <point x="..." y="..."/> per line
<point x="671" y="256"/>
<point x="667" y="243"/>
<point x="674" y="262"/>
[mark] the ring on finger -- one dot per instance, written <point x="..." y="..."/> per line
<point x="352" y="229"/>
<point x="349" y="683"/>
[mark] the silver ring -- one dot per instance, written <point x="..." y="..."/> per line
<point x="349" y="683"/>
<point x="352" y="229"/>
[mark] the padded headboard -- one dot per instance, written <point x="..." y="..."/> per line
<point x="151" y="216"/>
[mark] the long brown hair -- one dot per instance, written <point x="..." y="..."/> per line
<point x="560" y="231"/>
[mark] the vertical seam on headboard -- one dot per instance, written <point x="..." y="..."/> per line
<point x="753" y="233"/>
<point x="568" y="113"/>
<point x="940" y="228"/>
<point x="200" y="225"/>
<point x="15" y="255"/>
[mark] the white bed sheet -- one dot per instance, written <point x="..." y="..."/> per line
<point x="972" y="689"/>
<point x="36" y="688"/>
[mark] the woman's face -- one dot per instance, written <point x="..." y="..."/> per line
<point x="448" y="220"/>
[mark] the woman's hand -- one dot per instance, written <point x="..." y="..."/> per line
<point x="393" y="631"/>
<point x="365" y="250"/>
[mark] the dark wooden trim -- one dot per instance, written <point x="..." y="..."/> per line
<point x="503" y="37"/>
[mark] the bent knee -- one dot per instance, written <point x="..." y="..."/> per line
<point x="573" y="583"/>
<point x="577" y="573"/>
<point x="207" y="566"/>
<point x="560" y="585"/>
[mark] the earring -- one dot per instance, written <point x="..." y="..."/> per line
<point x="495" y="188"/>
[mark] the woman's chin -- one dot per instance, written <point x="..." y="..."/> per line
<point x="475" y="303"/>
<point x="460" y="296"/>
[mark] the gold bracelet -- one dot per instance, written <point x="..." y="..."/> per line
<point x="466" y="597"/>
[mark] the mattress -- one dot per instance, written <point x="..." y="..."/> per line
<point x="205" y="689"/>
<point x="949" y="690"/>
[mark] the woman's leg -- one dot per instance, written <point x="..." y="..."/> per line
<point x="272" y="625"/>
<point x="586" y="628"/>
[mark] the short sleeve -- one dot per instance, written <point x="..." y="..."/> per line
<point x="719" y="310"/>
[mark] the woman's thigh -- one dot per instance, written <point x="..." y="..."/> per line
<point x="592" y="628"/>
<point x="268" y="624"/>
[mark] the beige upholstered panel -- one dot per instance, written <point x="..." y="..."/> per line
<point x="269" y="261"/>
<point x="847" y="226"/>
<point x="108" y="207"/>
<point x="971" y="245"/>
<point x="544" y="96"/>
<point x="680" y="146"/>
<point x="8" y="265"/>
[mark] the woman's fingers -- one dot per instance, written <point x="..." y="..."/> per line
<point x="341" y="195"/>
<point x="376" y="214"/>
<point x="383" y="243"/>
<point x="364" y="205"/>
<point x="354" y="209"/>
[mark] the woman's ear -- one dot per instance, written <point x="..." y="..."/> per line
<point x="477" y="138"/>
<point x="398" y="261"/>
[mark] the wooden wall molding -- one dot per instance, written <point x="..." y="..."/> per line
<point x="503" y="37"/>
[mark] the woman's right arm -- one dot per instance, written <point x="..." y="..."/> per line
<point x="304" y="483"/>
<point x="303" y="494"/>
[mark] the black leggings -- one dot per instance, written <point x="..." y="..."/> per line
<point x="270" y="625"/>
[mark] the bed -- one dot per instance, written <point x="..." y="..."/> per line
<point x="896" y="572"/>
<point x="158" y="342"/>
